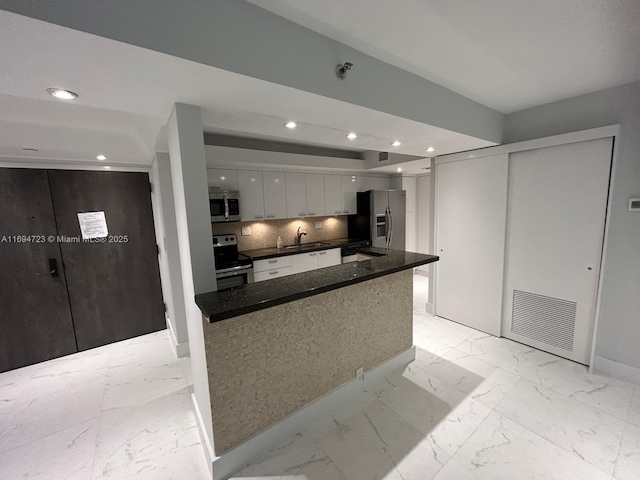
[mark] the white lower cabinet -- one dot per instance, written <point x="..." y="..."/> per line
<point x="269" y="274"/>
<point x="329" y="258"/>
<point x="303" y="262"/>
<point x="288" y="265"/>
<point x="271" y="263"/>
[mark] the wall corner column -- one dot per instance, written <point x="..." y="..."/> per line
<point x="193" y="221"/>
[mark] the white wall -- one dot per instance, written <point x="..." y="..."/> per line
<point x="193" y="219"/>
<point x="170" y="268"/>
<point x="411" y="225"/>
<point x="619" y="328"/>
<point x="423" y="209"/>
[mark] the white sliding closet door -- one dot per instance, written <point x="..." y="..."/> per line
<point x="555" y="227"/>
<point x="471" y="206"/>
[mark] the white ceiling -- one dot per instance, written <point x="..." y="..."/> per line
<point x="506" y="54"/>
<point x="126" y="94"/>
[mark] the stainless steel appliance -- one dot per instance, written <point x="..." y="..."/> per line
<point x="349" y="253"/>
<point x="380" y="218"/>
<point x="232" y="268"/>
<point x="224" y="206"/>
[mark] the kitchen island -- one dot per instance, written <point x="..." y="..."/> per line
<point x="275" y="347"/>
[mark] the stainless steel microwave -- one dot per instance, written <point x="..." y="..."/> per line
<point x="224" y="206"/>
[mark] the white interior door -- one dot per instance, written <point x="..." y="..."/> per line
<point x="471" y="206"/>
<point x="556" y="214"/>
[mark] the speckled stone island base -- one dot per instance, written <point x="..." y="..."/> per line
<point x="265" y="365"/>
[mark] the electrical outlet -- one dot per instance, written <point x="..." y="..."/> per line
<point x="360" y="373"/>
<point x="318" y="224"/>
<point x="246" y="230"/>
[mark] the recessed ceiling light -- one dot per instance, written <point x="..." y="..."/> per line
<point x="398" y="169"/>
<point x="396" y="144"/>
<point x="291" y="124"/>
<point x="431" y="149"/>
<point x="352" y="136"/>
<point x="222" y="178"/>
<point x="101" y="157"/>
<point x="62" y="94"/>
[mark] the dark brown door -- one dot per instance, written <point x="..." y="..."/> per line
<point x="35" y="318"/>
<point x="114" y="286"/>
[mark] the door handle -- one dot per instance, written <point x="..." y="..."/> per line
<point x="53" y="269"/>
<point x="226" y="205"/>
<point x="391" y="228"/>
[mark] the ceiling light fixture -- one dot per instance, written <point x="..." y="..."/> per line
<point x="291" y="124"/>
<point x="398" y="169"/>
<point x="352" y="136"/>
<point x="62" y="94"/>
<point x="101" y="157"/>
<point x="431" y="149"/>
<point x="396" y="144"/>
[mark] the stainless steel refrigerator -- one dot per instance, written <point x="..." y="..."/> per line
<point x="380" y="218"/>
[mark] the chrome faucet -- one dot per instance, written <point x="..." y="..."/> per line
<point x="299" y="236"/>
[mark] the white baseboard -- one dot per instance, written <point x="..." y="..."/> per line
<point x="611" y="368"/>
<point x="429" y="308"/>
<point x="204" y="439"/>
<point x="227" y="464"/>
<point x="182" y="349"/>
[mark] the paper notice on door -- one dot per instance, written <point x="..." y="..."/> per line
<point x="93" y="225"/>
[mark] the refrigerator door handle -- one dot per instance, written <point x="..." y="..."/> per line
<point x="390" y="229"/>
<point x="386" y="226"/>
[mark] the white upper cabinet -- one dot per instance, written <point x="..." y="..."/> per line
<point x="251" y="195"/>
<point x="296" y="195"/>
<point x="382" y="183"/>
<point x="223" y="180"/>
<point x="348" y="184"/>
<point x="315" y="194"/>
<point x="332" y="195"/>
<point x="365" y="183"/>
<point x="275" y="195"/>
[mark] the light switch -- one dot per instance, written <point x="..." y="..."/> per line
<point x="246" y="230"/>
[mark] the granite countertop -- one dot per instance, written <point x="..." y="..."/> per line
<point x="216" y="306"/>
<point x="272" y="252"/>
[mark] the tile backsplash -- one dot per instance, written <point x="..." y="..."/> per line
<point x="265" y="234"/>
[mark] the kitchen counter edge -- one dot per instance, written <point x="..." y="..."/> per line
<point x="218" y="306"/>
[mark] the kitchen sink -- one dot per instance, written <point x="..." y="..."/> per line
<point x="307" y="245"/>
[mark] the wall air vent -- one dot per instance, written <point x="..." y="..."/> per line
<point x="383" y="156"/>
<point x="545" y="319"/>
<point x="634" y="205"/>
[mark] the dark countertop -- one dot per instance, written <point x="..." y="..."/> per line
<point x="262" y="253"/>
<point x="216" y="306"/>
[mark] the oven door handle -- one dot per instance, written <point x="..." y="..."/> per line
<point x="234" y="269"/>
<point x="226" y="205"/>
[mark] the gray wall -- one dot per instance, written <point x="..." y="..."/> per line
<point x="240" y="37"/>
<point x="619" y="329"/>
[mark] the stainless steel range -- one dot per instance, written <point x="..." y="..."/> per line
<point x="232" y="268"/>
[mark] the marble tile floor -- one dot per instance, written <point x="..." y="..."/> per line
<point x="470" y="407"/>
<point x="115" y="412"/>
